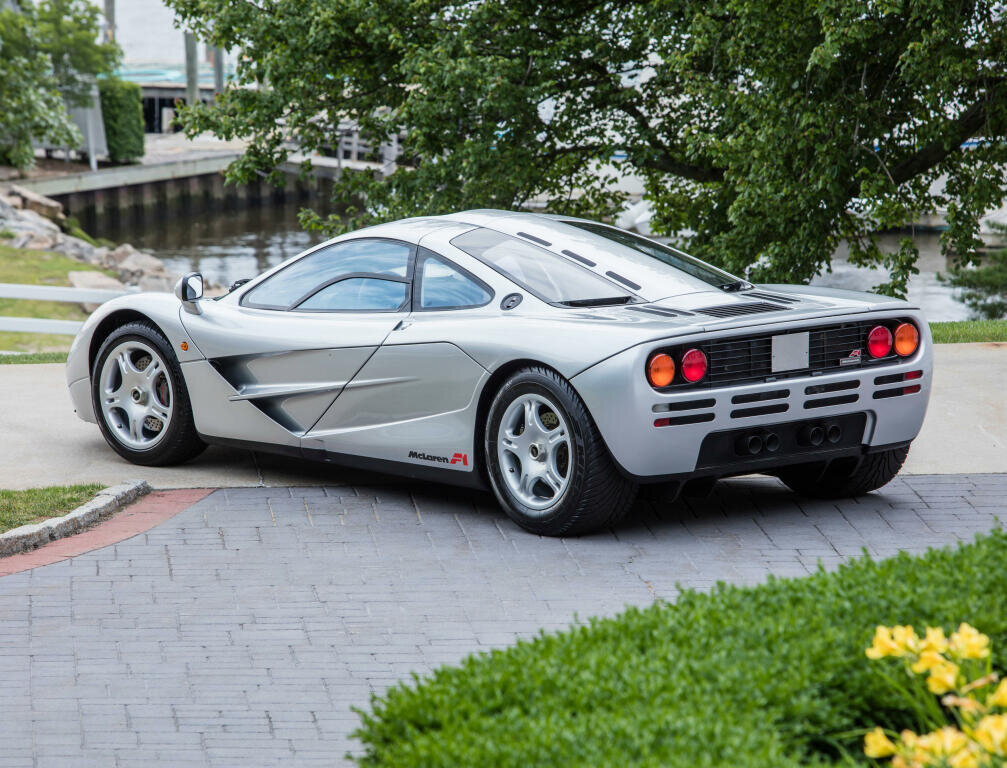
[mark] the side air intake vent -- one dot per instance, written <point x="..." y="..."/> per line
<point x="735" y="310"/>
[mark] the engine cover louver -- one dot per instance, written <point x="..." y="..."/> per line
<point x="735" y="310"/>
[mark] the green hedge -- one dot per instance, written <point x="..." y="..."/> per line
<point x="122" y="112"/>
<point x="767" y="676"/>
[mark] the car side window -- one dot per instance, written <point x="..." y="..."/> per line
<point x="443" y="285"/>
<point x="379" y="271"/>
<point x="357" y="294"/>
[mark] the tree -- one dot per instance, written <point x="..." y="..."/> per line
<point x="984" y="287"/>
<point x="48" y="53"/>
<point x="765" y="133"/>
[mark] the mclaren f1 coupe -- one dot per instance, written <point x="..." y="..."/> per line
<point x="559" y="362"/>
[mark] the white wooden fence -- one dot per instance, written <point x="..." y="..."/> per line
<point x="50" y="293"/>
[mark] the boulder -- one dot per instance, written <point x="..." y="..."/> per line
<point x="94" y="281"/>
<point x="161" y="283"/>
<point x="138" y="265"/>
<point x="121" y="253"/>
<point x="41" y="204"/>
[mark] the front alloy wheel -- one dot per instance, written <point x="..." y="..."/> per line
<point x="136" y="395"/>
<point x="140" y="400"/>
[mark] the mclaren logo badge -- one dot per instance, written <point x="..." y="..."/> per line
<point x="457" y="458"/>
<point x="851" y="359"/>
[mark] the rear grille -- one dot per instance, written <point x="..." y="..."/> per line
<point x="749" y="358"/>
<point x="772" y="297"/>
<point x="735" y="310"/>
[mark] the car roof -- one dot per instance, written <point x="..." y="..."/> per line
<point x="656" y="279"/>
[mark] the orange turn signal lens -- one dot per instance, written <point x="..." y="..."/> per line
<point x="185" y="346"/>
<point x="660" y="370"/>
<point x="907" y="339"/>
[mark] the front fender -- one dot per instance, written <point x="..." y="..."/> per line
<point x="161" y="309"/>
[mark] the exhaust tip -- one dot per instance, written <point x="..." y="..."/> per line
<point x="771" y="441"/>
<point x="749" y="445"/>
<point x="834" y="433"/>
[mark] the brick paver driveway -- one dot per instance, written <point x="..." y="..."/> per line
<point x="240" y="632"/>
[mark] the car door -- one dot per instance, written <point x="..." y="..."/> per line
<point x="413" y="400"/>
<point x="278" y="356"/>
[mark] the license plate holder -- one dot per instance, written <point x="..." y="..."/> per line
<point x="790" y="352"/>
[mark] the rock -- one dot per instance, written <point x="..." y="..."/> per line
<point x="33" y="201"/>
<point x="38" y="241"/>
<point x="75" y="248"/>
<point x="94" y="281"/>
<point x="33" y="222"/>
<point x="163" y="283"/>
<point x="138" y="265"/>
<point x="12" y="201"/>
<point x="119" y="254"/>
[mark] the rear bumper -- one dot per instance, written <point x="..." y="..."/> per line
<point x="700" y="428"/>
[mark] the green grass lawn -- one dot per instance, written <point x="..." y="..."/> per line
<point x="19" y="508"/>
<point x="37" y="268"/>
<point x="969" y="330"/>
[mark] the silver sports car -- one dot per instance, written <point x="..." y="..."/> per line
<point x="560" y="362"/>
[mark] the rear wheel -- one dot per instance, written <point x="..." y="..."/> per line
<point x="140" y="399"/>
<point x="846" y="477"/>
<point x="547" y="463"/>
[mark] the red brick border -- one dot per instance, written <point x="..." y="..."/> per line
<point x="153" y="509"/>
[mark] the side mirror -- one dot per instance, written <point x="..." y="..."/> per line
<point x="189" y="287"/>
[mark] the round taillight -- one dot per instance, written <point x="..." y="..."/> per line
<point x="879" y="341"/>
<point x="693" y="365"/>
<point x="907" y="339"/>
<point x="660" y="370"/>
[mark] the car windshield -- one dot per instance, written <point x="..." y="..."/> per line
<point x="670" y="256"/>
<point x="549" y="276"/>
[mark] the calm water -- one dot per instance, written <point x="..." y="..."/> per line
<point x="229" y="245"/>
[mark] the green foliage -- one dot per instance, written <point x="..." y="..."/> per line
<point x="962" y="331"/>
<point x="984" y="287"/>
<point x="764" y="132"/>
<point x="122" y="111"/>
<point x="49" y="54"/>
<point x="68" y="33"/>
<point x="773" y="675"/>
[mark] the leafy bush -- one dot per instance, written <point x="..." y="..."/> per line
<point x="773" y="675"/>
<point x="122" y="111"/>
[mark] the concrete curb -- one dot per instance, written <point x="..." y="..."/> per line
<point x="106" y="503"/>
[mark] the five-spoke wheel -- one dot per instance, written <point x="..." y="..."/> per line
<point x="140" y="400"/>
<point x="534" y="451"/>
<point x="136" y="394"/>
<point x="546" y="462"/>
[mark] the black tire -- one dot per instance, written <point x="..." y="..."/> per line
<point x="180" y="441"/>
<point x="844" y="478"/>
<point x="595" y="497"/>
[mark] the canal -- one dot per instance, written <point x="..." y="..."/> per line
<point x="230" y="243"/>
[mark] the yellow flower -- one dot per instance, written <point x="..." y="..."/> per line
<point x="999" y="697"/>
<point x="969" y="643"/>
<point x="905" y="638"/>
<point x="943" y="743"/>
<point x="934" y="640"/>
<point x="886" y="644"/>
<point x="927" y="661"/>
<point x="964" y="758"/>
<point x="877" y="744"/>
<point x="991" y="733"/>
<point x="943" y="677"/>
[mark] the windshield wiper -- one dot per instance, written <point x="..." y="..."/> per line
<point x="737" y="285"/>
<point x="601" y="301"/>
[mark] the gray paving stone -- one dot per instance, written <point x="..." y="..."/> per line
<point x="242" y="631"/>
